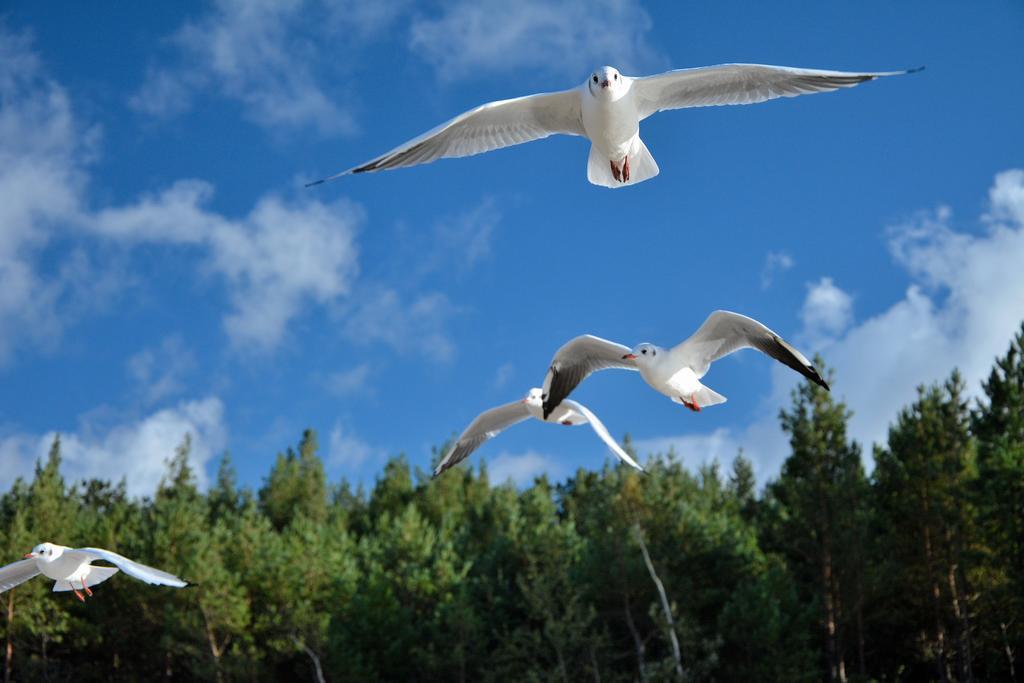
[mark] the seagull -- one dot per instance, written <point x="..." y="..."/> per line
<point x="490" y="423"/>
<point x="607" y="110"/>
<point x="675" y="372"/>
<point x="72" y="569"/>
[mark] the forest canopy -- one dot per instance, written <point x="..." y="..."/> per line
<point x="914" y="571"/>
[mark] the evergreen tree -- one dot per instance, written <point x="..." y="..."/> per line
<point x="297" y="485"/>
<point x="998" y="425"/>
<point x="814" y="516"/>
<point x="923" y="525"/>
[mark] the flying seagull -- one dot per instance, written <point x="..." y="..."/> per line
<point x="490" y="423"/>
<point x="72" y="569"/>
<point x="675" y="372"/>
<point x="607" y="110"/>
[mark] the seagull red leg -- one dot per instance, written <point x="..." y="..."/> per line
<point x="86" y="588"/>
<point x="691" y="404"/>
<point x="616" y="173"/>
<point x="625" y="168"/>
<point x="77" y="594"/>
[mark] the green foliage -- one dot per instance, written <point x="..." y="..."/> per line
<point x="814" y="519"/>
<point x="915" y="573"/>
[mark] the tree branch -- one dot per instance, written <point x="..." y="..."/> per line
<point x="665" y="606"/>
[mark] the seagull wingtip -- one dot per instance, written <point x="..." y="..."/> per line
<point x="915" y="69"/>
<point x="332" y="178"/>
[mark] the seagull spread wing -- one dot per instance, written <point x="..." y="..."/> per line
<point x="738" y="84"/>
<point x="724" y="332"/>
<point x="602" y="432"/>
<point x="16" y="573"/>
<point x="486" y="425"/>
<point x="489" y="126"/>
<point x="575" y="361"/>
<point x="131" y="568"/>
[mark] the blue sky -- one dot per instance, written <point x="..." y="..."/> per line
<point x="164" y="270"/>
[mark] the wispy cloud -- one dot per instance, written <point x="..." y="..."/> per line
<point x="264" y="55"/>
<point x="41" y="151"/>
<point x="522" y="468"/>
<point x="827" y="311"/>
<point x="160" y="371"/>
<point x="503" y="374"/>
<point x="279" y="256"/>
<point x="415" y="324"/>
<point x="348" y="453"/>
<point x="775" y="263"/>
<point x="275" y="262"/>
<point x="462" y="240"/>
<point x="350" y="381"/>
<point x="137" y="450"/>
<point x="692" y="449"/>
<point x="467" y="37"/>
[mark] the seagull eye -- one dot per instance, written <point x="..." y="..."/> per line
<point x="616" y="76"/>
<point x="644" y="352"/>
<point x="595" y="79"/>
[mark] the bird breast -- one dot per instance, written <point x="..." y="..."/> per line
<point x="59" y="568"/>
<point x="668" y="378"/>
<point x="610" y="124"/>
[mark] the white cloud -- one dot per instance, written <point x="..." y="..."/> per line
<point x="465" y="238"/>
<point x="827" y="311"/>
<point x="160" y="371"/>
<point x="264" y="55"/>
<point x="775" y="263"/>
<point x="522" y="468"/>
<point x="961" y="310"/>
<point x="503" y="374"/>
<point x="274" y="259"/>
<point x="692" y="449"/>
<point x="350" y="381"/>
<point x="280" y="256"/>
<point x="137" y="451"/>
<point x="567" y="38"/>
<point x="347" y="452"/>
<point x="41" y="149"/>
<point x="416" y="325"/>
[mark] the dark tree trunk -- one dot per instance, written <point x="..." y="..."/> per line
<point x="638" y="641"/>
<point x="9" y="647"/>
<point x="665" y="606"/>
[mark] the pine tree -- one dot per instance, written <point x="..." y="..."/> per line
<point x="923" y="520"/>
<point x="297" y="485"/>
<point x="815" y="516"/>
<point x="998" y="425"/>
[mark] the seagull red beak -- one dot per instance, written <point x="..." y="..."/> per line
<point x="629" y="356"/>
<point x="29" y="555"/>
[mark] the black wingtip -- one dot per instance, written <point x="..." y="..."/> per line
<point x="817" y="379"/>
<point x="316" y="182"/>
<point x="915" y="70"/>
